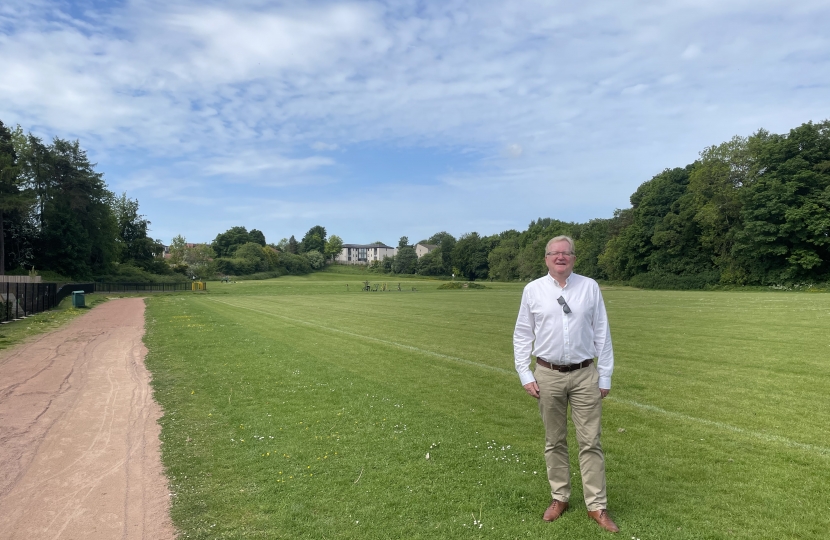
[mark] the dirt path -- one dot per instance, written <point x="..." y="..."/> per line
<point x="79" y="442"/>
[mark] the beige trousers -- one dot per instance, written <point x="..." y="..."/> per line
<point x="580" y="389"/>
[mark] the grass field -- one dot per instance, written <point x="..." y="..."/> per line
<point x="297" y="409"/>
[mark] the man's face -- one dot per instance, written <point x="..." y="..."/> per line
<point x="560" y="264"/>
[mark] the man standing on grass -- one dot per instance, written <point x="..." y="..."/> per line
<point x="562" y="321"/>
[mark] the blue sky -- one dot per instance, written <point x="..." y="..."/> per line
<point x="383" y="119"/>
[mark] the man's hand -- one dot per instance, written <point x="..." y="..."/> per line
<point x="533" y="389"/>
<point x="604" y="392"/>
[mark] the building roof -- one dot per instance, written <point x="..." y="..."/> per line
<point x="428" y="246"/>
<point x="376" y="245"/>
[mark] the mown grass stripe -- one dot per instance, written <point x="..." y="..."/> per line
<point x="377" y="340"/>
<point x="727" y="427"/>
<point x="384" y="407"/>
<point x="651" y="408"/>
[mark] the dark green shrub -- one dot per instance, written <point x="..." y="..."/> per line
<point x="654" y="280"/>
<point x="461" y="285"/>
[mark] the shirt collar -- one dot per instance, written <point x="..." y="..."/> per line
<point x="567" y="280"/>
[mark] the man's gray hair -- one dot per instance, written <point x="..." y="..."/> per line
<point x="561" y="238"/>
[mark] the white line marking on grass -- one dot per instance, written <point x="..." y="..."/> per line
<point x="386" y="342"/>
<point x="754" y="434"/>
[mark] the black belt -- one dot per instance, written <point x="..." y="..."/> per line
<point x="563" y="369"/>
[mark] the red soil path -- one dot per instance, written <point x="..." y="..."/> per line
<point x="79" y="438"/>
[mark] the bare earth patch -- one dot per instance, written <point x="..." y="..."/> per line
<point x="79" y="438"/>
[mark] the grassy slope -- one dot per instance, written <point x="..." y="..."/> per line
<point x="297" y="409"/>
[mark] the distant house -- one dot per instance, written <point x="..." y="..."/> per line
<point x="364" y="253"/>
<point x="423" y="249"/>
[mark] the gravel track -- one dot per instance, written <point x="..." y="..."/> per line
<point x="79" y="438"/>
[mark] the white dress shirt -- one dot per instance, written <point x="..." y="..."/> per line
<point x="546" y="331"/>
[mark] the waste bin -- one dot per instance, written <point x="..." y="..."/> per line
<point x="78" y="299"/>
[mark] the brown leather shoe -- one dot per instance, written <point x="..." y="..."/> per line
<point x="556" y="509"/>
<point x="604" y="520"/>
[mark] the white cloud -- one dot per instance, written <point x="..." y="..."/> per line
<point x="210" y="93"/>
<point x="322" y="147"/>
<point x="253" y="164"/>
<point x="636" y="89"/>
<point x="692" y="51"/>
<point x="514" y="150"/>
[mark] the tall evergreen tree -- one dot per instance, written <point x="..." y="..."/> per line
<point x="9" y="187"/>
<point x="293" y="246"/>
<point x="77" y="235"/>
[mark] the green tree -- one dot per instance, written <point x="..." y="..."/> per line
<point x="293" y="246"/>
<point x="272" y="258"/>
<point x="470" y="256"/>
<point x="628" y="253"/>
<point x="134" y="246"/>
<point x="590" y="241"/>
<point x="315" y="259"/>
<point x="716" y="184"/>
<point x="177" y="248"/>
<point x="403" y="242"/>
<point x="431" y="264"/>
<point x="13" y="199"/>
<point x="677" y="243"/>
<point x="334" y="245"/>
<point x="503" y="260"/>
<point x="446" y="243"/>
<point x="531" y="262"/>
<point x="406" y="260"/>
<point x="248" y="258"/>
<point x="34" y="166"/>
<point x="294" y="264"/>
<point x="256" y="237"/>
<point x="785" y="233"/>
<point x="441" y="238"/>
<point x="225" y="244"/>
<point x="78" y="231"/>
<point x="200" y="260"/>
<point x="314" y="240"/>
<point x="253" y="253"/>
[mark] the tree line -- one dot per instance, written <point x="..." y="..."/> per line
<point x="59" y="218"/>
<point x="57" y="214"/>
<point x="240" y="252"/>
<point x="750" y="211"/>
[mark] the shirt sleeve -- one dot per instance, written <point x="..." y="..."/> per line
<point x="602" y="343"/>
<point x="523" y="337"/>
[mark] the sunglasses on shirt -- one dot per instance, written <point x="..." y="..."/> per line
<point x="564" y="305"/>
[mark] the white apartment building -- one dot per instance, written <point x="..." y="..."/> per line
<point x="364" y="253"/>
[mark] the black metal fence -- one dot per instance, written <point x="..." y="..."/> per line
<point x="18" y="300"/>
<point x="150" y="287"/>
